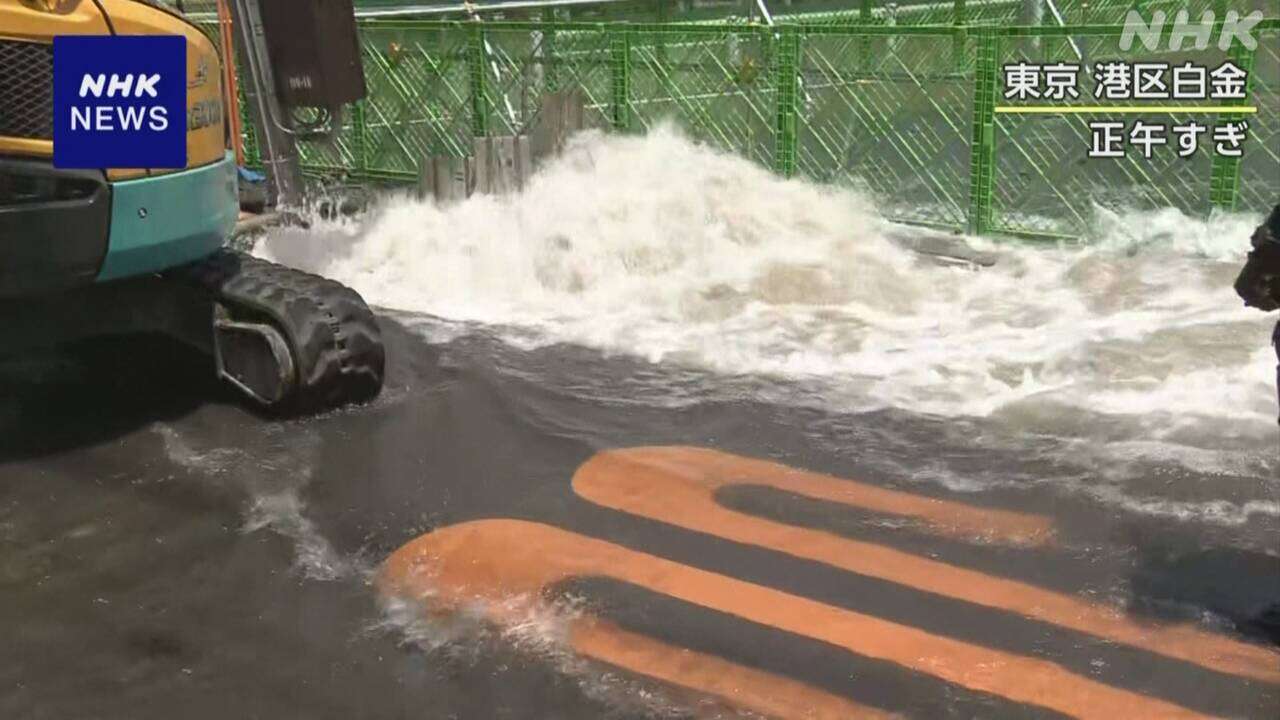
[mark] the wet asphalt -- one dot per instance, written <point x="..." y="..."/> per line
<point x="167" y="552"/>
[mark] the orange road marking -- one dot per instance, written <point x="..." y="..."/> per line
<point x="743" y="687"/>
<point x="713" y="470"/>
<point x="677" y="485"/>
<point x="504" y="564"/>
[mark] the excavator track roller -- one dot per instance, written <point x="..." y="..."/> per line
<point x="294" y="342"/>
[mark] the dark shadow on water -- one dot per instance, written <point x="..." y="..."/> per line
<point x="98" y="390"/>
<point x="1242" y="587"/>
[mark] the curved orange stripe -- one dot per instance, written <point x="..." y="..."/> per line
<point x="713" y="470"/>
<point x="506" y="564"/>
<point x="676" y="485"/>
<point x="742" y="687"/>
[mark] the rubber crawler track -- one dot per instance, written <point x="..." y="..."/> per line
<point x="336" y="343"/>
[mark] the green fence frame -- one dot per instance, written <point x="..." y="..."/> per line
<point x="904" y="112"/>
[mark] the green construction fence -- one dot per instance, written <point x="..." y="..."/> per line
<point x="906" y="113"/>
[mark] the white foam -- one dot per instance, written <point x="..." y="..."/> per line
<point x="283" y="513"/>
<point x="536" y="629"/>
<point x="274" y="501"/>
<point x="667" y="250"/>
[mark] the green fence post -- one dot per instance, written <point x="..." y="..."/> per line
<point x="864" y="41"/>
<point x="959" y="35"/>
<point x="664" y="16"/>
<point x="1224" y="175"/>
<point x="248" y="136"/>
<point x="982" y="150"/>
<point x="252" y="156"/>
<point x="360" y="141"/>
<point x="786" y="79"/>
<point x="620" y="74"/>
<point x="550" y="66"/>
<point x="475" y="74"/>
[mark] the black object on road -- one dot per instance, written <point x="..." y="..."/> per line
<point x="1259" y="281"/>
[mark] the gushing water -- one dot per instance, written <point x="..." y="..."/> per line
<point x="1107" y="358"/>
<point x="664" y="249"/>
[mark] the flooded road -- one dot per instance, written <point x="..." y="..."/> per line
<point x="735" y="455"/>
<point x="177" y="555"/>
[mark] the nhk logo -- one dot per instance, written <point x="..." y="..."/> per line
<point x="119" y="101"/>
<point x="111" y="117"/>
<point x="1234" y="27"/>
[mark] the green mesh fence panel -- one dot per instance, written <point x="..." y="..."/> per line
<point x="521" y="65"/>
<point x="248" y="137"/>
<point x="419" y="103"/>
<point x="717" y="84"/>
<point x="903" y="111"/>
<point x="890" y="114"/>
<point x="1259" y="181"/>
<point x="419" y="97"/>
<point x="1017" y="12"/>
<point x="1045" y="182"/>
